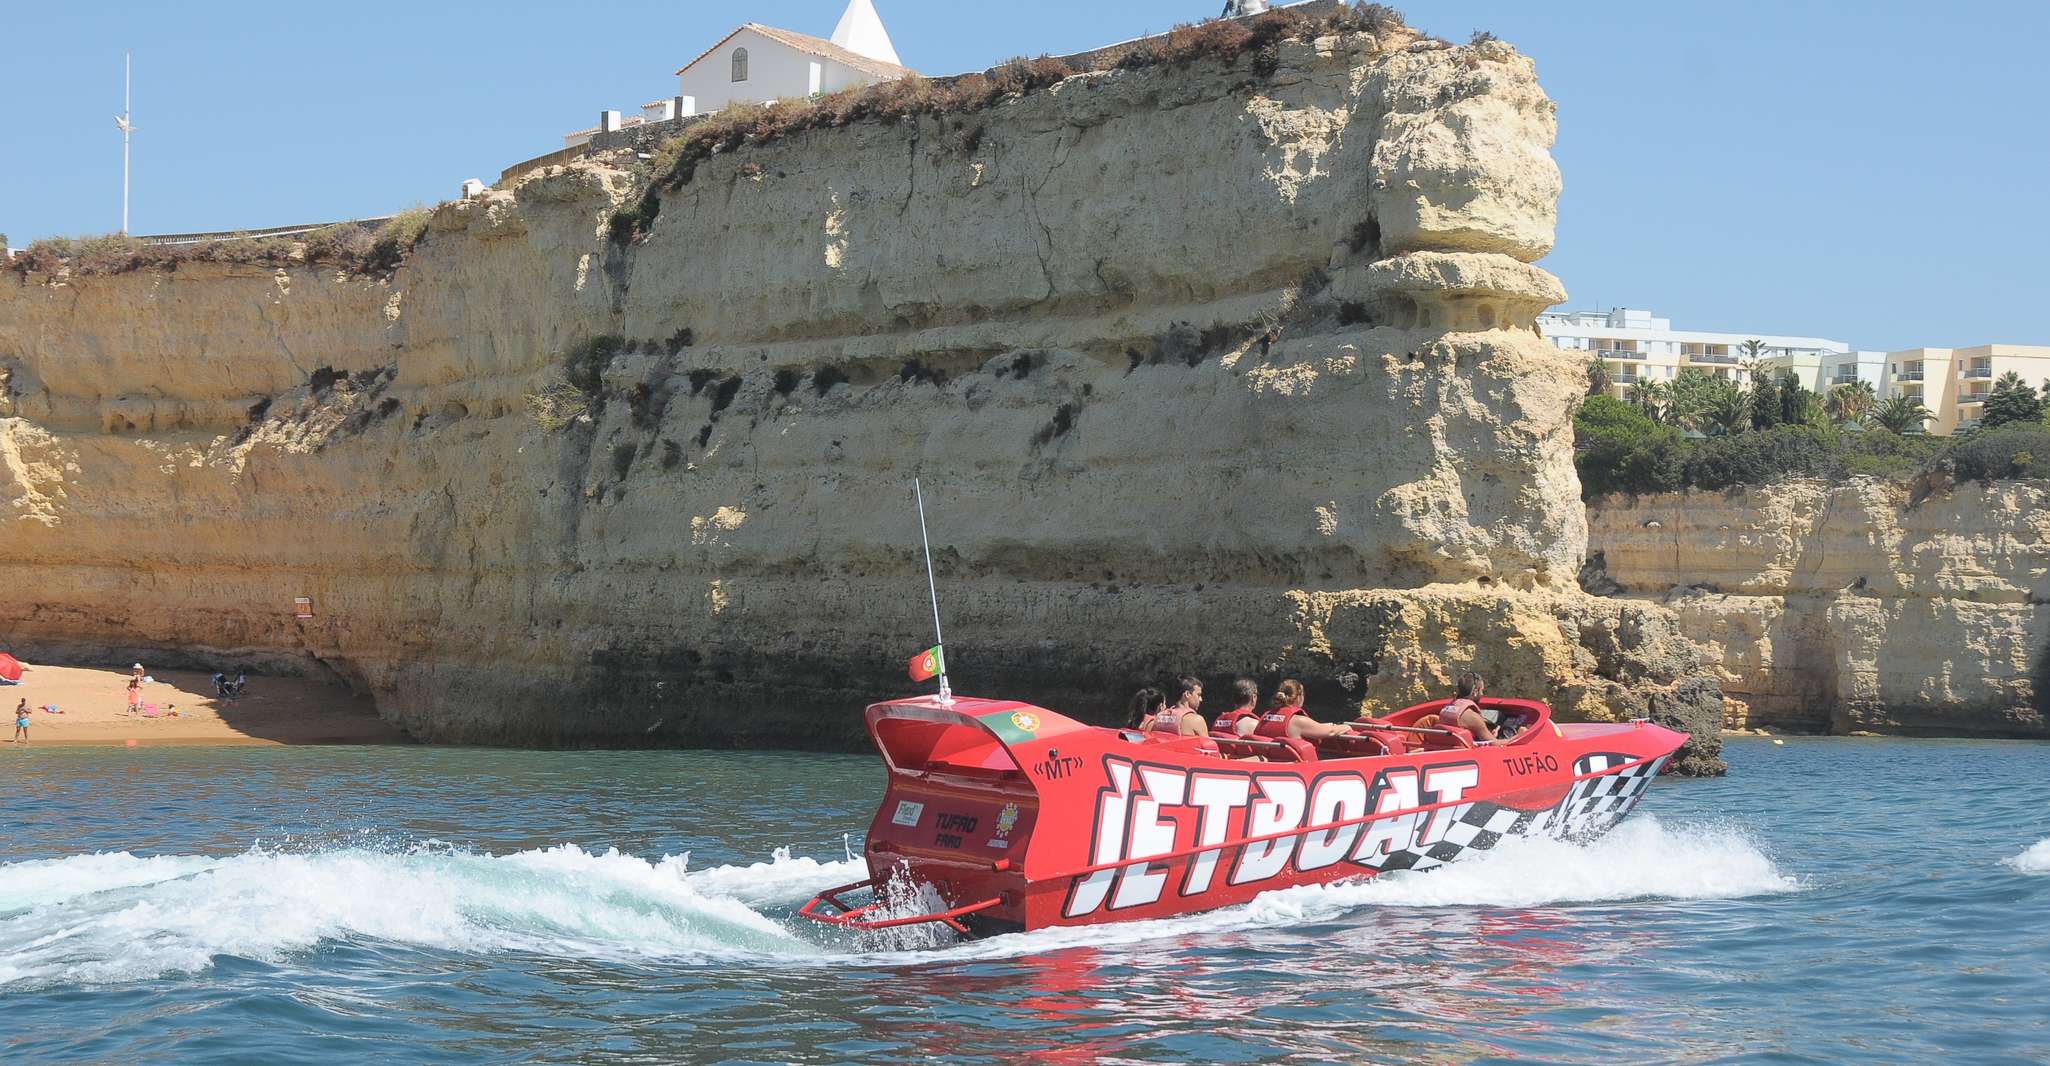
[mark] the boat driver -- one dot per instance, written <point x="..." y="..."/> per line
<point x="1465" y="710"/>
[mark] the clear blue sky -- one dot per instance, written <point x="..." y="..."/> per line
<point x="1874" y="172"/>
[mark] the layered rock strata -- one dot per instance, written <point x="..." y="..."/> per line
<point x="1863" y="606"/>
<point x="1219" y="367"/>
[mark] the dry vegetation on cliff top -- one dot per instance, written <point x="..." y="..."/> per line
<point x="676" y="161"/>
<point x="353" y="249"/>
<point x="345" y="246"/>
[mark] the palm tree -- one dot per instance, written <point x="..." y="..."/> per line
<point x="1757" y="361"/>
<point x="1649" y="397"/>
<point x="1850" y="402"/>
<point x="1727" y="413"/>
<point x="1598" y="377"/>
<point x="1902" y="414"/>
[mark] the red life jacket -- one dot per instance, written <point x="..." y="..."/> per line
<point x="1274" y="724"/>
<point x="1228" y="722"/>
<point x="1449" y="714"/>
<point x="1165" y="720"/>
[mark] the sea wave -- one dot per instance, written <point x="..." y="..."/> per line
<point x="110" y="918"/>
<point x="116" y="917"/>
<point x="2036" y="860"/>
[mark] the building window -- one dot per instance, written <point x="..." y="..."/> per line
<point x="740" y="64"/>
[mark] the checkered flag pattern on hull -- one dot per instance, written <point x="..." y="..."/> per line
<point x="1593" y="805"/>
<point x="1590" y="807"/>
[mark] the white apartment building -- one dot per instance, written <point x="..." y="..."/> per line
<point x="1640" y="346"/>
<point x="1953" y="382"/>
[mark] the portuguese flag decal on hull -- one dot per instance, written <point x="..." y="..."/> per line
<point x="927" y="664"/>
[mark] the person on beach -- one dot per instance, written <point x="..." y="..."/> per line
<point x="20" y="723"/>
<point x="1288" y="719"/>
<point x="1465" y="709"/>
<point x="1244" y="716"/>
<point x="135" y="690"/>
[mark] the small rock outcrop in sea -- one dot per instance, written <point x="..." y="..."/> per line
<point x="1226" y="366"/>
<point x="1853" y="606"/>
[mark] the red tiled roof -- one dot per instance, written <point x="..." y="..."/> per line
<point x="817" y="46"/>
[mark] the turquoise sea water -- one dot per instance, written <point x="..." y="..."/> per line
<point x="1831" y="900"/>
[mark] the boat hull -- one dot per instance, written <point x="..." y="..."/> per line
<point x="1011" y="817"/>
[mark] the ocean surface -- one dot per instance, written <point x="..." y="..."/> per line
<point x="1830" y="901"/>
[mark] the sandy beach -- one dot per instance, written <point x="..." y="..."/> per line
<point x="93" y="709"/>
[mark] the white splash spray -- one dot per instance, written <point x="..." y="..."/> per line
<point x="2036" y="860"/>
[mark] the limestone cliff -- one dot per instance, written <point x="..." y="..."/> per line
<point x="1857" y="606"/>
<point x="1225" y="366"/>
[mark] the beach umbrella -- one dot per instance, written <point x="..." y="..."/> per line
<point x="10" y="667"/>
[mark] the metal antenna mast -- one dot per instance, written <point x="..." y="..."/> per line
<point x="939" y="638"/>
<point x="127" y="129"/>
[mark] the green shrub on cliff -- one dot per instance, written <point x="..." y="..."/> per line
<point x="1619" y="450"/>
<point x="2012" y="451"/>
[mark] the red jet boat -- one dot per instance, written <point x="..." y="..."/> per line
<point x="1017" y="818"/>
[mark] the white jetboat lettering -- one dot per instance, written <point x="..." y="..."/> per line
<point x="1147" y="813"/>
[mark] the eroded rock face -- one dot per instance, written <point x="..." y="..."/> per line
<point x="1857" y="606"/>
<point x="1200" y="369"/>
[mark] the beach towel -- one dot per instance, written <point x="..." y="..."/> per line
<point x="51" y="708"/>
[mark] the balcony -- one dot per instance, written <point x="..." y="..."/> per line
<point x="1703" y="357"/>
<point x="1618" y="353"/>
<point x="1908" y="375"/>
<point x="1970" y="397"/>
<point x="1977" y="372"/>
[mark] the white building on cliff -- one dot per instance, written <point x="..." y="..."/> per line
<point x="757" y="64"/>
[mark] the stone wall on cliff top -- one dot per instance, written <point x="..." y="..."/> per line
<point x="1854" y="606"/>
<point x="1049" y="310"/>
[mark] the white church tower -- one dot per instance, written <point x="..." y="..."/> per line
<point x="861" y="31"/>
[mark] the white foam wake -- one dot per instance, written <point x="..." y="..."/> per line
<point x="110" y="918"/>
<point x="116" y="917"/>
<point x="1642" y="859"/>
<point x="2036" y="860"/>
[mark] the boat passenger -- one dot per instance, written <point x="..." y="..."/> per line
<point x="1146" y="703"/>
<point x="1182" y="717"/>
<point x="1465" y="709"/>
<point x="1288" y="719"/>
<point x="1244" y="716"/>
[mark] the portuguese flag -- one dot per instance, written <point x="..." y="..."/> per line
<point x="927" y="664"/>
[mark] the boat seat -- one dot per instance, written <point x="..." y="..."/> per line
<point x="1357" y="745"/>
<point x="1272" y="750"/>
<point x="1176" y="742"/>
<point x="1447" y="738"/>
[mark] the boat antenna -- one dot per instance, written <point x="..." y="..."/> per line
<point x="932" y="590"/>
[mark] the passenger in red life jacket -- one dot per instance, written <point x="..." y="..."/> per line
<point x="1288" y="719"/>
<point x="1465" y="709"/>
<point x="1180" y="718"/>
<point x="1146" y="705"/>
<point x="1243" y="717"/>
